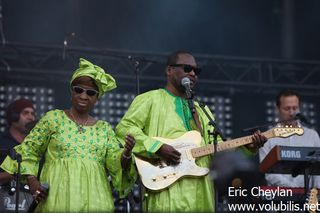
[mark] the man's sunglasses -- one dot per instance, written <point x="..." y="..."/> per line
<point x="187" y="68"/>
<point x="80" y="90"/>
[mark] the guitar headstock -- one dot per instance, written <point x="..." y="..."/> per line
<point x="313" y="200"/>
<point x="287" y="131"/>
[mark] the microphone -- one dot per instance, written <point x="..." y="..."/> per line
<point x="302" y="118"/>
<point x="185" y="82"/>
<point x="34" y="204"/>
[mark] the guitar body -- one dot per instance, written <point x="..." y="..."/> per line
<point x="157" y="175"/>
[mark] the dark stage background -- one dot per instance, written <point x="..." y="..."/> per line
<point x="248" y="50"/>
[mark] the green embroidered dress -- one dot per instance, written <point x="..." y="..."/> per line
<point x="159" y="113"/>
<point x="75" y="164"/>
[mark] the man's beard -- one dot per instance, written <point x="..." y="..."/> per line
<point x="181" y="89"/>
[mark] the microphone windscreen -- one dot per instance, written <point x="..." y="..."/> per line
<point x="185" y="81"/>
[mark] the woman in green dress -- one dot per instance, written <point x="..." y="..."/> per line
<point x="79" y="152"/>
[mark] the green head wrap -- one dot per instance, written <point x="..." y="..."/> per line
<point x="104" y="81"/>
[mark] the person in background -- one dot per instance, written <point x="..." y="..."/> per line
<point x="18" y="115"/>
<point x="79" y="151"/>
<point x="288" y="106"/>
<point x="166" y="113"/>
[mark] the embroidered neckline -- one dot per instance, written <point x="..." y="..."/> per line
<point x="79" y="126"/>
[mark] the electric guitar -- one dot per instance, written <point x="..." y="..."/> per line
<point x="157" y="175"/>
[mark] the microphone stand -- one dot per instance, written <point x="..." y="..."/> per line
<point x="65" y="44"/>
<point x="192" y="108"/>
<point x="190" y="96"/>
<point x="136" y="61"/>
<point x="214" y="133"/>
<point x="18" y="177"/>
<point x="136" y="65"/>
<point x="216" y="130"/>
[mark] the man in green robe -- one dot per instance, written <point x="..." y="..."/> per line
<point x="165" y="113"/>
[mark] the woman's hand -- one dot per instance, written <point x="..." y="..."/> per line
<point x="38" y="192"/>
<point x="128" y="146"/>
<point x="127" y="152"/>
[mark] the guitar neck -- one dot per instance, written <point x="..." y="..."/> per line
<point x="234" y="143"/>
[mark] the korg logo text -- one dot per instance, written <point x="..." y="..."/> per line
<point x="290" y="154"/>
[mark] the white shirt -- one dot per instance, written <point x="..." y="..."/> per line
<point x="310" y="138"/>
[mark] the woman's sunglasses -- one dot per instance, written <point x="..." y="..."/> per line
<point x="188" y="68"/>
<point x="80" y="90"/>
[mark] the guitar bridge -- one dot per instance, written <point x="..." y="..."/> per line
<point x="163" y="177"/>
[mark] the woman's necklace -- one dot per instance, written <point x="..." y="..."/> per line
<point x="80" y="126"/>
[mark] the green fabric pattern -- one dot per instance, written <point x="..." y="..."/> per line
<point x="154" y="114"/>
<point x="75" y="164"/>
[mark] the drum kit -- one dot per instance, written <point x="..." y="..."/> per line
<point x="8" y="193"/>
<point x="8" y="199"/>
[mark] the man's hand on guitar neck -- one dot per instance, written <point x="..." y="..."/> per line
<point x="258" y="141"/>
<point x="169" y="154"/>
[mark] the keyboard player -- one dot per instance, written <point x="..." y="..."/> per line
<point x="288" y="105"/>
